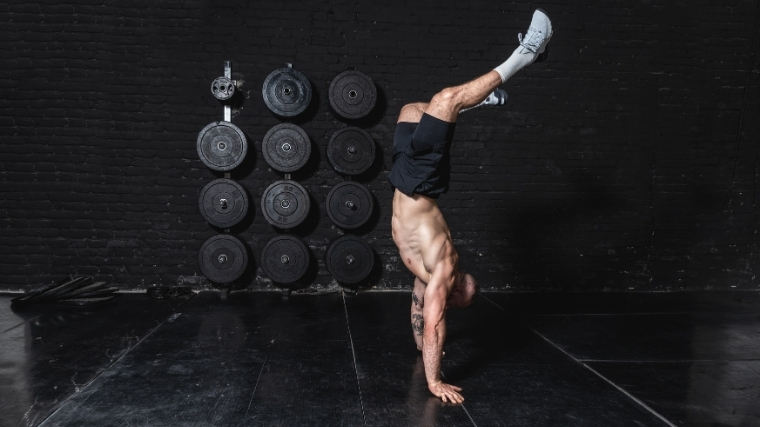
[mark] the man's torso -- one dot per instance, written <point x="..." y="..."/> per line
<point x="421" y="235"/>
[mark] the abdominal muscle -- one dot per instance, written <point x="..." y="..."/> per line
<point x="421" y="234"/>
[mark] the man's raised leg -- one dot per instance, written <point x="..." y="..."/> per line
<point x="448" y="103"/>
<point x="412" y="113"/>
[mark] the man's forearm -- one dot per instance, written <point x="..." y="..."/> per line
<point x="432" y="350"/>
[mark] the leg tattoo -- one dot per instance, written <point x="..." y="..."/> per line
<point x="418" y="324"/>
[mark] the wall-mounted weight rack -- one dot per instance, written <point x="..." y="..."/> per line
<point x="223" y="202"/>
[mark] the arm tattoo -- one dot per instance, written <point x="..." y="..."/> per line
<point x="416" y="300"/>
<point x="418" y="324"/>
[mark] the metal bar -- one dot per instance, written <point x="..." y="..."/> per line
<point x="228" y="74"/>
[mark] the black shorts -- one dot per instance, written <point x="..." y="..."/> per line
<point x="421" y="162"/>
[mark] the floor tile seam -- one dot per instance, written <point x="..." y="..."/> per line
<point x="22" y="323"/>
<point x="610" y="382"/>
<point x="739" y="314"/>
<point x="255" y="387"/>
<point x="443" y="376"/>
<point x="626" y="393"/>
<point x="353" y="353"/>
<point x="655" y="313"/>
<point x="114" y="362"/>
<point x="667" y="361"/>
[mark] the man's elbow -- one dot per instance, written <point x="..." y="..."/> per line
<point x="432" y="328"/>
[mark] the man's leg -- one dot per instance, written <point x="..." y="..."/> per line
<point x="448" y="103"/>
<point x="412" y="113"/>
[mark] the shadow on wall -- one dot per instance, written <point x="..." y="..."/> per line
<point x="543" y="236"/>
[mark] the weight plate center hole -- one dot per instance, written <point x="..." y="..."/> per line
<point x="350" y="205"/>
<point x="222" y="146"/>
<point x="222" y="259"/>
<point x="287" y="91"/>
<point x="223" y="203"/>
<point x="286" y="147"/>
<point x="285" y="204"/>
<point x="352" y="94"/>
<point x="352" y="149"/>
<point x="350" y="259"/>
<point x="284" y="259"/>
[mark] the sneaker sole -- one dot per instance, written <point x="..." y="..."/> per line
<point x="551" y="29"/>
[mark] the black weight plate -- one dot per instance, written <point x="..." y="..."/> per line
<point x="87" y="301"/>
<point x="28" y="296"/>
<point x="98" y="293"/>
<point x="286" y="147"/>
<point x="351" y="150"/>
<point x="222" y="88"/>
<point x="223" y="203"/>
<point x="54" y="293"/>
<point x="222" y="146"/>
<point x="285" y="259"/>
<point x="223" y="258"/>
<point x="84" y="290"/>
<point x="349" y="259"/>
<point x="352" y="94"/>
<point x="285" y="204"/>
<point x="349" y="204"/>
<point x="287" y="92"/>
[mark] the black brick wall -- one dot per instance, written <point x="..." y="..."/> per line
<point x="627" y="160"/>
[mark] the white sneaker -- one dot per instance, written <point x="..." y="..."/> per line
<point x="497" y="97"/>
<point x="538" y="35"/>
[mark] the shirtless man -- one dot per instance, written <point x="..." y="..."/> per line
<point x="420" y="174"/>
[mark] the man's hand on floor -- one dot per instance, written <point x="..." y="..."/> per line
<point x="447" y="392"/>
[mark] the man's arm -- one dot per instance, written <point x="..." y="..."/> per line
<point x="418" y="324"/>
<point x="434" y="335"/>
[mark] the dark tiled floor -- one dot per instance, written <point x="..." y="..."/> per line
<point x="49" y="353"/>
<point x="601" y="359"/>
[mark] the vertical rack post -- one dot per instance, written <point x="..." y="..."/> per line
<point x="228" y="74"/>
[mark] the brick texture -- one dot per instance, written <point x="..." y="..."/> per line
<point x="626" y="160"/>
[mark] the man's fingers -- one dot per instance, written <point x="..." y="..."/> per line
<point x="456" y="388"/>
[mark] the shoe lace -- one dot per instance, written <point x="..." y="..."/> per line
<point x="533" y="39"/>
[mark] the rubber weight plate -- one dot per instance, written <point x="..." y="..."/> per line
<point x="349" y="259"/>
<point x="223" y="203"/>
<point x="222" y="146"/>
<point x="349" y="204"/>
<point x="286" y="92"/>
<point x="286" y="147"/>
<point x="34" y="293"/>
<point x="285" y="204"/>
<point x="223" y="258"/>
<point x="351" y="150"/>
<point x="352" y="94"/>
<point x="285" y="259"/>
<point x="222" y="88"/>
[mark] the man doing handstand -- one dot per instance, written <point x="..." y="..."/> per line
<point x="420" y="174"/>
